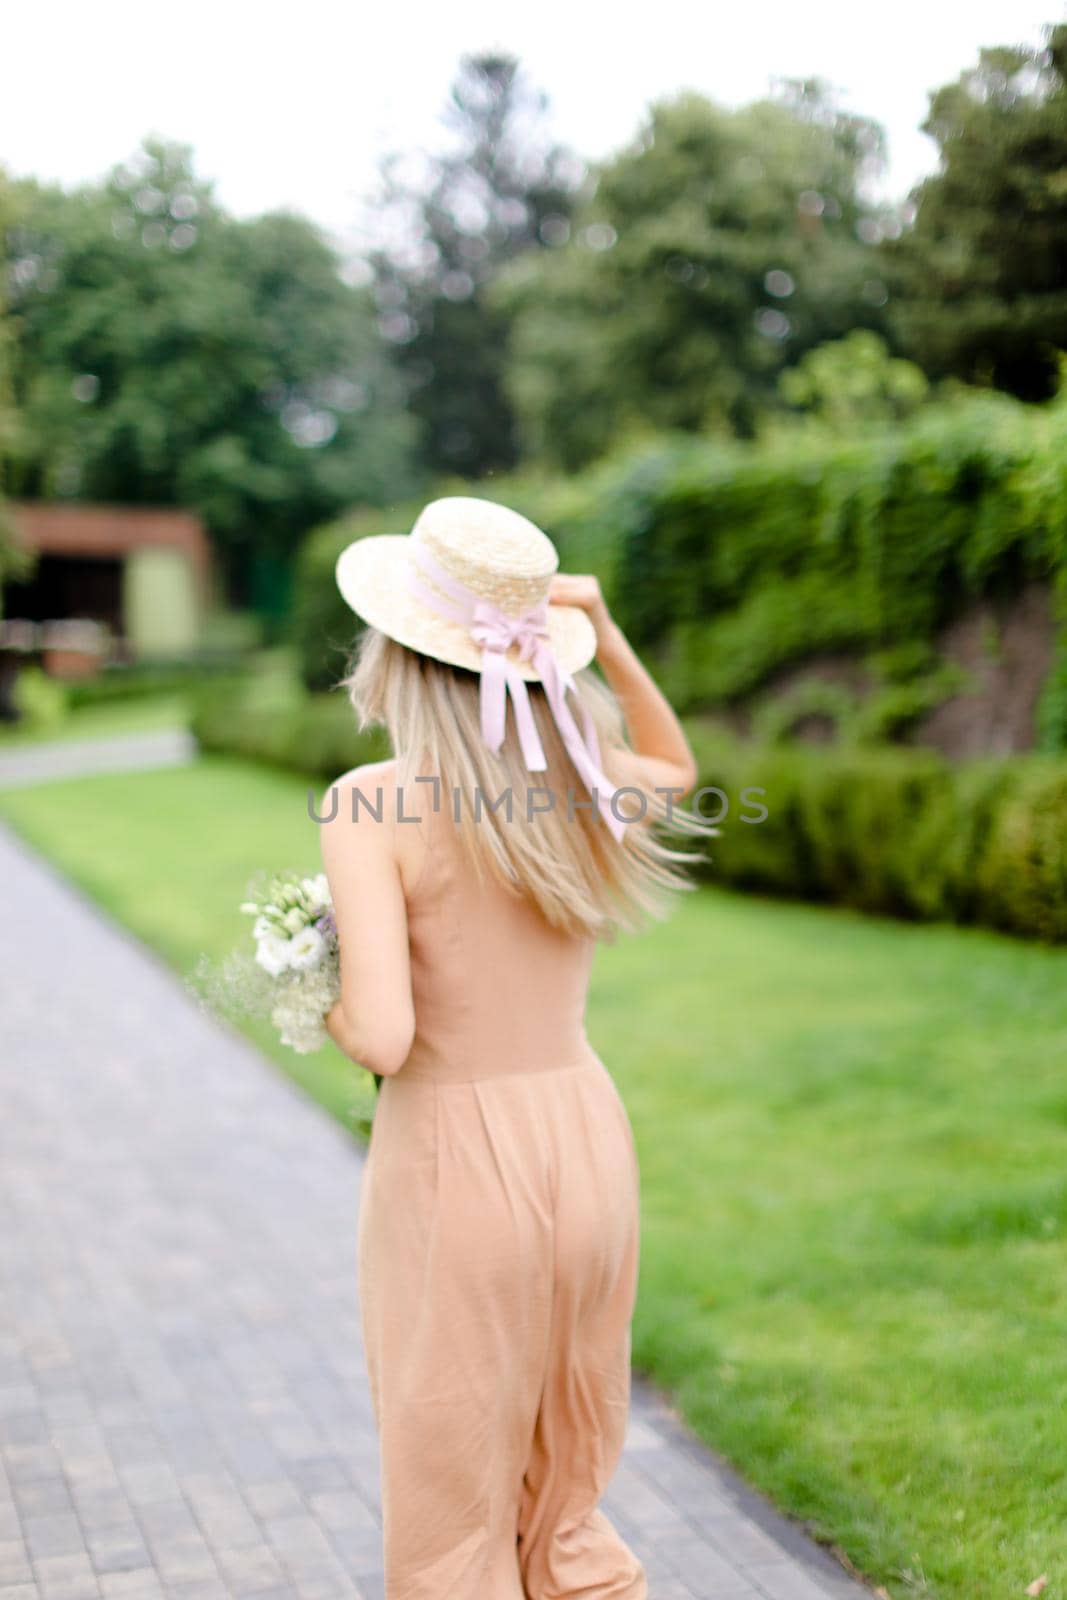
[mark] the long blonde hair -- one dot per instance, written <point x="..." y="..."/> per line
<point x="566" y="860"/>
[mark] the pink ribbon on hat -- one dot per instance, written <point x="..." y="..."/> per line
<point x="496" y="631"/>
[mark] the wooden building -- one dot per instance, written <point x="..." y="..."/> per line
<point x="143" y="575"/>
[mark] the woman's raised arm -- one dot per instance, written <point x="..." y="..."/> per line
<point x="656" y="734"/>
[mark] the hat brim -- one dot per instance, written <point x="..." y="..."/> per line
<point x="372" y="576"/>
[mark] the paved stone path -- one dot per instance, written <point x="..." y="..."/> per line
<point x="75" y="758"/>
<point x="183" y="1408"/>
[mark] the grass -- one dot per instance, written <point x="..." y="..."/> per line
<point x="853" y="1146"/>
<point x="169" y="853"/>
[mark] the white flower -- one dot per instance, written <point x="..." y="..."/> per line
<point x="272" y="954"/>
<point x="262" y="928"/>
<point x="306" y="949"/>
<point x="299" y="1021"/>
<point x="317" y="890"/>
<point x="294" y="920"/>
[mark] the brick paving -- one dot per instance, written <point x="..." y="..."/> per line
<point x="183" y="1405"/>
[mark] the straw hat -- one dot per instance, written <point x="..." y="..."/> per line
<point x="498" y="555"/>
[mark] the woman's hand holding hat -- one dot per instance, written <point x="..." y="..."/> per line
<point x="661" y="754"/>
<point x="583" y="590"/>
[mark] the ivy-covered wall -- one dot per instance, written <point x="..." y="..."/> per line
<point x="727" y="563"/>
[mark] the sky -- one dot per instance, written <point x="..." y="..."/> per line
<point x="292" y="106"/>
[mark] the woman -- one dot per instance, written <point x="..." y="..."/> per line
<point x="498" y="1223"/>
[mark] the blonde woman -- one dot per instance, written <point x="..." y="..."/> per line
<point x="473" y="876"/>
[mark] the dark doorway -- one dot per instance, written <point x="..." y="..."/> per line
<point x="69" y="586"/>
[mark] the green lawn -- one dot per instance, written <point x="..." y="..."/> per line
<point x="853" y="1147"/>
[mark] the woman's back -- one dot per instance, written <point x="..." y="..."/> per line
<point x="496" y="989"/>
<point x="499" y="1216"/>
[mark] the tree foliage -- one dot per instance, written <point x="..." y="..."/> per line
<point x="168" y="353"/>
<point x="852" y="381"/>
<point x="15" y="561"/>
<point x="717" y="249"/>
<point x="440" y="231"/>
<point x="980" y="279"/>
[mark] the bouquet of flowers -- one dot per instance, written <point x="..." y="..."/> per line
<point x="292" y="973"/>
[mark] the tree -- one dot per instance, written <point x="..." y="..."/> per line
<point x="169" y="354"/>
<point x="854" y="380"/>
<point x="715" y="250"/>
<point x="438" y="235"/>
<point x="980" y="277"/>
<point x="15" y="560"/>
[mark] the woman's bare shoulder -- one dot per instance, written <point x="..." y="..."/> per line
<point x="368" y="779"/>
<point x="363" y="795"/>
<point x="372" y="796"/>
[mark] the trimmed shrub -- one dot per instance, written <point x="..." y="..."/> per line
<point x="315" y="734"/>
<point x="896" y="831"/>
<point x="40" y="700"/>
<point x="1021" y="874"/>
<point x="323" y="628"/>
<point x="899" y="832"/>
<point x="116" y="681"/>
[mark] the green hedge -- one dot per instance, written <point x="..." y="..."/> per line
<point x="313" y="734"/>
<point x="323" y="628"/>
<point x="892" y="831"/>
<point x="115" y="681"/>
<point x="896" y="831"/>
<point x="726" y="563"/>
